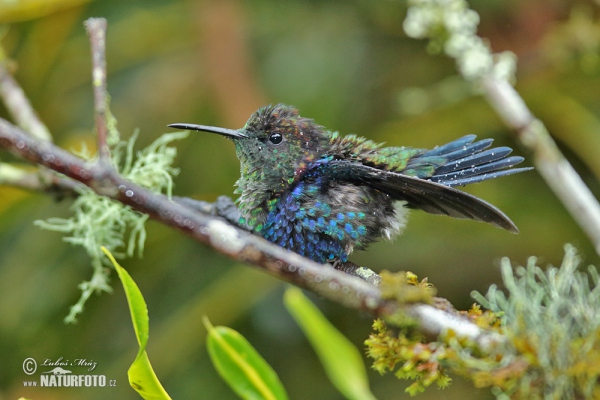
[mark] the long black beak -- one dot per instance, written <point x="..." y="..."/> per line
<point x="213" y="129"/>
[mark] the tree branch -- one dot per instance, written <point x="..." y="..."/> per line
<point x="549" y="161"/>
<point x="34" y="180"/>
<point x="19" y="107"/>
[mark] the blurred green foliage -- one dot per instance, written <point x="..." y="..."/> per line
<point x="348" y="65"/>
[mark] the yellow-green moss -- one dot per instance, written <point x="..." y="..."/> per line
<point x="404" y="287"/>
<point x="415" y="359"/>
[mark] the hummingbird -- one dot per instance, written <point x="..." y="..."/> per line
<point x="323" y="195"/>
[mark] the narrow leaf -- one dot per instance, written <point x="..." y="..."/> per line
<point x="240" y="365"/>
<point x="340" y="358"/>
<point x="141" y="375"/>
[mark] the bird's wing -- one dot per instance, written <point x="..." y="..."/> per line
<point x="423" y="194"/>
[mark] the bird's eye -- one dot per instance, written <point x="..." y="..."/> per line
<point x="275" y="138"/>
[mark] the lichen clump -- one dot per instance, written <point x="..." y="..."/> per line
<point x="552" y="317"/>
<point x="551" y="321"/>
<point x="99" y="221"/>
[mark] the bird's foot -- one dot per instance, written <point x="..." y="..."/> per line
<point x="363" y="273"/>
<point x="223" y="207"/>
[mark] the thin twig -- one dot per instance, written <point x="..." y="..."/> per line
<point x="19" y="107"/>
<point x="33" y="180"/>
<point x="96" y="29"/>
<point x="549" y="161"/>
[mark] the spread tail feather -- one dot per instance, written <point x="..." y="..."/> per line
<point x="468" y="162"/>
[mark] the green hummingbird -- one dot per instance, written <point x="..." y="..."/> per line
<point x="322" y="195"/>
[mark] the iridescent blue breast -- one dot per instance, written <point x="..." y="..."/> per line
<point x="310" y="219"/>
<point x="306" y="231"/>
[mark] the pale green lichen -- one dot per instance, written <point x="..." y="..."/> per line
<point x="551" y="319"/>
<point x="99" y="221"/>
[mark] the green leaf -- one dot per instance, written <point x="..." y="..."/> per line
<point x="341" y="359"/>
<point x="141" y="375"/>
<point x="240" y="365"/>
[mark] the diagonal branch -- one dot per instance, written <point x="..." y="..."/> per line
<point x="34" y="180"/>
<point x="549" y="161"/>
<point x="18" y="105"/>
<point x="96" y="29"/>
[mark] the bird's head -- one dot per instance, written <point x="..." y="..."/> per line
<point x="274" y="146"/>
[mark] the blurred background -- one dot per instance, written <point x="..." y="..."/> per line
<point x="348" y="65"/>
